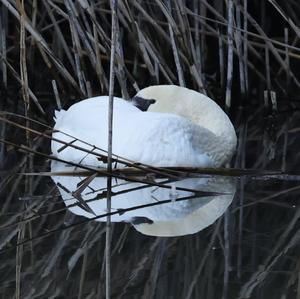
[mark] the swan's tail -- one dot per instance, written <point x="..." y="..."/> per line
<point x="58" y="114"/>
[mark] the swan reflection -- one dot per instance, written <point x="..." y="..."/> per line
<point x="183" y="214"/>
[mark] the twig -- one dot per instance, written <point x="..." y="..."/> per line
<point x="229" y="56"/>
<point x="175" y="52"/>
<point x="56" y="94"/>
<point x="114" y="6"/>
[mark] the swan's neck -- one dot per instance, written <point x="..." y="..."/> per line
<point x="202" y="111"/>
<point x="222" y="144"/>
<point x="209" y="115"/>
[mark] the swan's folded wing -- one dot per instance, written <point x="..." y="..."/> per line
<point x="163" y="140"/>
<point x="158" y="139"/>
<point x="84" y="126"/>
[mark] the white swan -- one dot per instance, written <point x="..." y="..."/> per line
<point x="182" y="128"/>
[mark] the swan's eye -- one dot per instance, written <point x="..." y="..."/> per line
<point x="141" y="103"/>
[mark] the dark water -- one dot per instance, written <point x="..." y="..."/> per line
<point x="251" y="251"/>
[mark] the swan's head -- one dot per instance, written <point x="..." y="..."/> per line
<point x="142" y="103"/>
<point x="185" y="102"/>
<point x="196" y="107"/>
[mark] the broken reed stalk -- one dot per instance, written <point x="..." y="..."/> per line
<point x="83" y="271"/>
<point x="287" y="58"/>
<point x="3" y="32"/>
<point x="245" y="44"/>
<point x="19" y="258"/>
<point x="229" y="56"/>
<point x="56" y="94"/>
<point x="268" y="72"/>
<point x="241" y="163"/>
<point x="176" y="57"/>
<point x="25" y="95"/>
<point x="175" y="51"/>
<point x="114" y="5"/>
<point x="76" y="46"/>
<point x="197" y="39"/>
<point x="226" y="250"/>
<point x="221" y="59"/>
<point x="238" y="40"/>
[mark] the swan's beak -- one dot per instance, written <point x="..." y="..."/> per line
<point x="141" y="103"/>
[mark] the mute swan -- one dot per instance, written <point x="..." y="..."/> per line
<point x="181" y="128"/>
